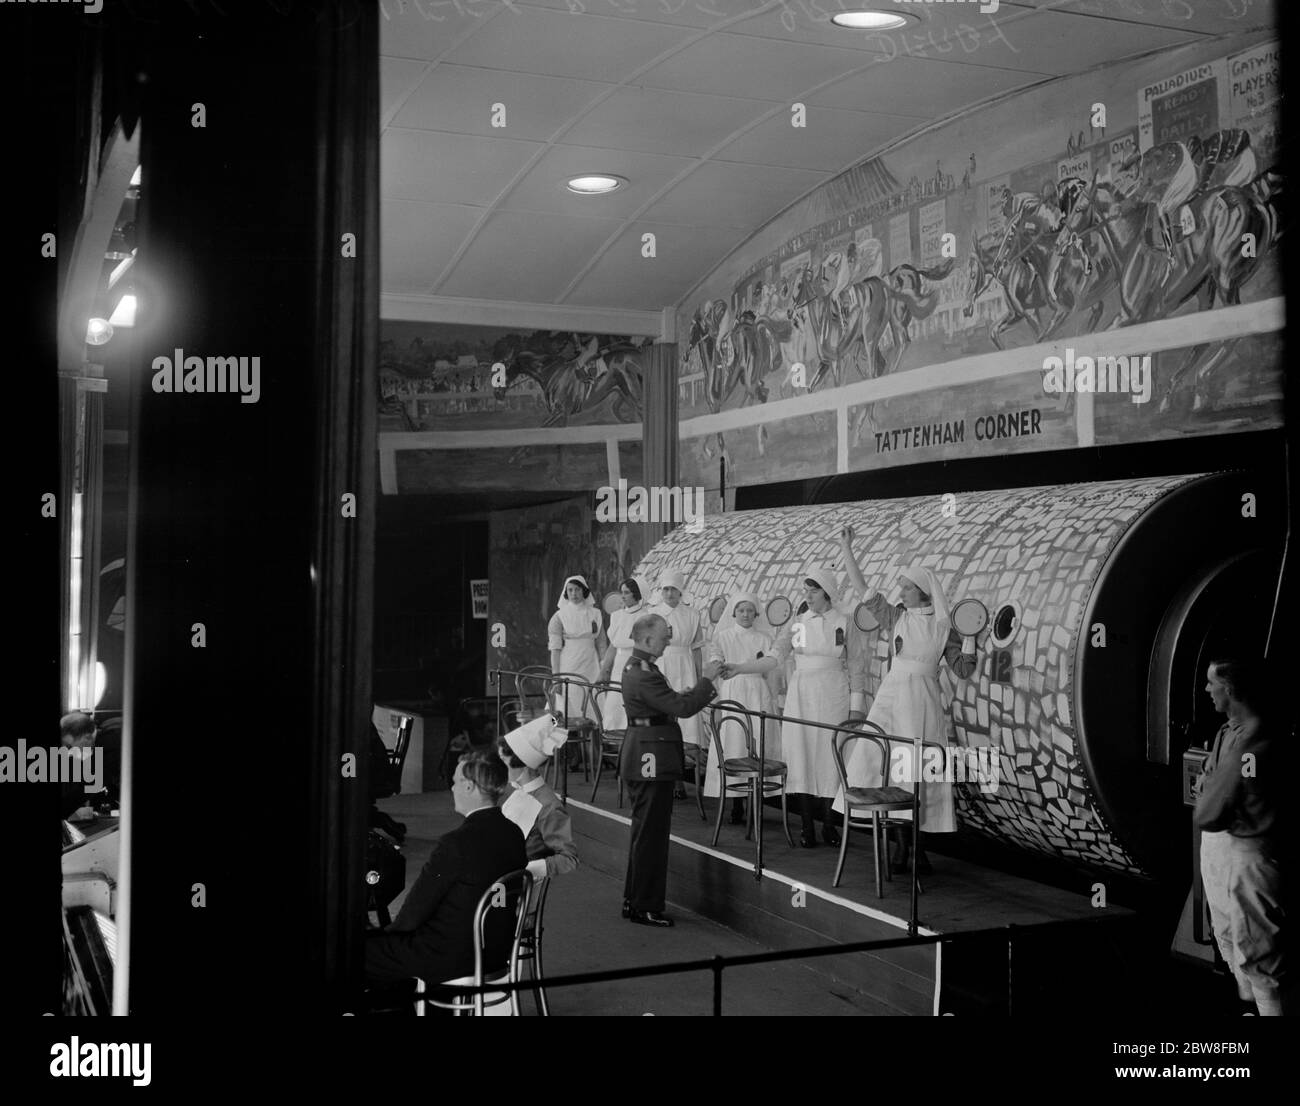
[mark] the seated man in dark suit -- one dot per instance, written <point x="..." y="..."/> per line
<point x="77" y="731"/>
<point x="432" y="936"/>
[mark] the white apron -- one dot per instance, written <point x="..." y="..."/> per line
<point x="573" y="630"/>
<point x="620" y="638"/>
<point x="736" y="645"/>
<point x="819" y="692"/>
<point x="909" y="703"/>
<point x="678" y="661"/>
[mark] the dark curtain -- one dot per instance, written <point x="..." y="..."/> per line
<point x="247" y="824"/>
<point x="347" y="325"/>
<point x="659" y="428"/>
<point x="45" y="60"/>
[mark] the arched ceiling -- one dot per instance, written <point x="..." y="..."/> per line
<point x="690" y="100"/>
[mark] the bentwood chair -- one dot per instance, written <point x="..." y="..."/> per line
<point x="530" y="946"/>
<point x="530" y="701"/>
<point x="696" y="757"/>
<point x="579" y="709"/>
<point x="510" y="893"/>
<point x="530" y="691"/>
<point x="607" y="749"/>
<point x="747" y="775"/>
<point x="878" y="802"/>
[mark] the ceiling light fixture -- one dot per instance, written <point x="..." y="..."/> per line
<point x="868" y="19"/>
<point x="98" y="331"/>
<point x="595" y="184"/>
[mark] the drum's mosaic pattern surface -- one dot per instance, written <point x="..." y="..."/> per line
<point x="1040" y="548"/>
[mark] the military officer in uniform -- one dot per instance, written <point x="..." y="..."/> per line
<point x="651" y="762"/>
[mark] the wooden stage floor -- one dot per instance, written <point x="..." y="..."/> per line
<point x="795" y="906"/>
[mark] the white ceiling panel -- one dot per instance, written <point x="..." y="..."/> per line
<point x="1204" y="17"/>
<point x="831" y="140"/>
<point x="1053" y="42"/>
<point x="922" y="88"/>
<point x="661" y="279"/>
<point x="682" y="13"/>
<point x="408" y="30"/>
<point x="690" y="101"/>
<point x="543" y="189"/>
<point x="559" y="44"/>
<point x="397" y="77"/>
<point x="757" y="68"/>
<point x="663" y="122"/>
<point x="417" y="241"/>
<point x="448" y="168"/>
<point x="513" y="258"/>
<point x="461" y="99"/>
<point x="727" y="194"/>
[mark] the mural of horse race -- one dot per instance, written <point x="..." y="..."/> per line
<point x="489" y="381"/>
<point x="1122" y="198"/>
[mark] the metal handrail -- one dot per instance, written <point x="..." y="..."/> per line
<point x="918" y="744"/>
<point x="717" y="964"/>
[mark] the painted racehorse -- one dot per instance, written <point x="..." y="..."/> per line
<point x="1194" y="247"/>
<point x="891" y="302"/>
<point x="572" y="385"/>
<point x="1018" y="271"/>
<point x="1097" y="236"/>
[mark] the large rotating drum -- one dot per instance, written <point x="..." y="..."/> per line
<point x="1107" y="601"/>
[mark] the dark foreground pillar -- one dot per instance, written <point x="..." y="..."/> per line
<point x="251" y="514"/>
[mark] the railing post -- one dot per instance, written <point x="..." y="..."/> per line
<point x="564" y="764"/>
<point x="496" y="676"/>
<point x="912" y="918"/>
<point x="1009" y="945"/>
<point x="717" y="986"/>
<point x="757" y="814"/>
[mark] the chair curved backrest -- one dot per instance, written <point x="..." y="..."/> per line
<point x="581" y="701"/>
<point x="719" y="715"/>
<point x="860" y="730"/>
<point x="511" y="892"/>
<point x="536" y="907"/>
<point x="510" y="716"/>
<point x="606" y="687"/>
<point x="530" y="684"/>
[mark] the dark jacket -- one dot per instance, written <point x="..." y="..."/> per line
<point x="439" y="910"/>
<point x="1242" y="790"/>
<point x="647" y="694"/>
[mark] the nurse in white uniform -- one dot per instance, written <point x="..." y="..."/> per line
<point x="636" y="602"/>
<point x="743" y="645"/>
<point x="909" y="702"/>
<point x="575" y="634"/>
<point x="680" y="662"/>
<point x="826" y="686"/>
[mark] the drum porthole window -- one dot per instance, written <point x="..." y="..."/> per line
<point x="1005" y="624"/>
